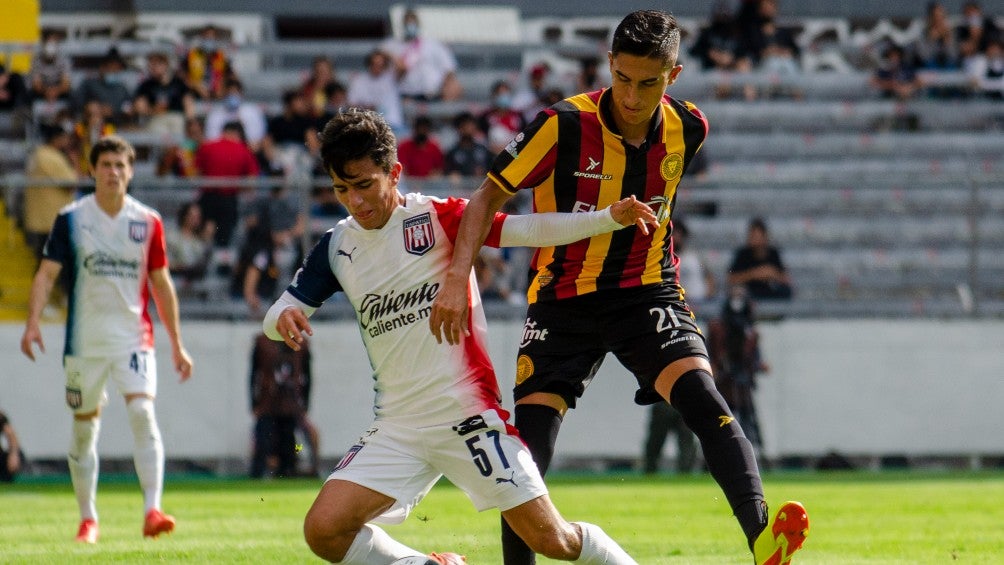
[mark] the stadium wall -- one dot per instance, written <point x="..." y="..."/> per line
<point x="860" y="387"/>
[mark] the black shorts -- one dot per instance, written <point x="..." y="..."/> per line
<point x="564" y="341"/>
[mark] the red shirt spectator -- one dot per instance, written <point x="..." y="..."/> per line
<point x="420" y="154"/>
<point x="226" y="156"/>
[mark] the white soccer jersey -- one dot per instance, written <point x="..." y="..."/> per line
<point x="108" y="261"/>
<point x="391" y="276"/>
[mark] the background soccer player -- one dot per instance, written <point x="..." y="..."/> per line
<point x="437" y="407"/>
<point x="616" y="292"/>
<point x="113" y="249"/>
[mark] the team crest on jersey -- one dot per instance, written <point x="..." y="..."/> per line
<point x="137" y="231"/>
<point x="419" y="236"/>
<point x="671" y="167"/>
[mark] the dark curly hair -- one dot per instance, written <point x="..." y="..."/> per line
<point x="354" y="134"/>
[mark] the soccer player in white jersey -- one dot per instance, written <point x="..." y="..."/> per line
<point x="437" y="406"/>
<point x="112" y="248"/>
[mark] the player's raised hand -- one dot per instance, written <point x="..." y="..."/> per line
<point x="32" y="335"/>
<point x="292" y="324"/>
<point x="632" y="211"/>
<point x="449" y="311"/>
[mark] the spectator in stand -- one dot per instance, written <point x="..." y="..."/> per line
<point x="108" y="87"/>
<point x="270" y="255"/>
<point x="205" y="66"/>
<point x="937" y="48"/>
<point x="779" y="58"/>
<point x="291" y="136"/>
<point x="500" y="122"/>
<point x="190" y="245"/>
<point x="719" y="47"/>
<point x="975" y="31"/>
<point x="986" y="72"/>
<point x="468" y="157"/>
<point x="13" y="91"/>
<point x="49" y="161"/>
<point x="325" y="211"/>
<point x="757" y="266"/>
<point x="50" y="71"/>
<point x="11" y="455"/>
<point x="92" y="126"/>
<point x="420" y="154"/>
<point x="589" y="78"/>
<point x="376" y="89"/>
<point x="225" y="156"/>
<point x="179" y="160"/>
<point x="338" y="101"/>
<point x="896" y="76"/>
<point x="233" y="107"/>
<point x="426" y="68"/>
<point x="315" y="87"/>
<point x="162" y="100"/>
<point x="529" y="99"/>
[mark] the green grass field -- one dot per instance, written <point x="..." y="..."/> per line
<point x="874" y="518"/>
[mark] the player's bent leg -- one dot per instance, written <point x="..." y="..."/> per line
<point x="727" y="452"/>
<point x="542" y="528"/>
<point x="336" y="526"/>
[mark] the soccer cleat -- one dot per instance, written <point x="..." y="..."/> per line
<point x="157" y="523"/>
<point x="88" y="531"/>
<point x="783" y="536"/>
<point x="447" y="558"/>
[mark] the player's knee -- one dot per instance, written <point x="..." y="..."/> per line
<point x="327" y="538"/>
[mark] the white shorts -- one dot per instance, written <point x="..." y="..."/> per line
<point x="132" y="373"/>
<point x="481" y="455"/>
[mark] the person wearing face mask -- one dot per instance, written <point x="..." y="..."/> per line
<point x="500" y="122"/>
<point x="206" y="67"/>
<point x="50" y="71"/>
<point x="108" y="88"/>
<point x="421" y="154"/>
<point x="426" y="68"/>
<point x="233" y="107"/>
<point x="468" y="157"/>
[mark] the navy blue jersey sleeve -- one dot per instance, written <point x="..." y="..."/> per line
<point x="58" y="246"/>
<point x="315" y="282"/>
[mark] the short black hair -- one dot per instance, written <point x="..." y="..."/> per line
<point x="356" y="134"/>
<point x="648" y="33"/>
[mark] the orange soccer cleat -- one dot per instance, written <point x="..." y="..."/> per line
<point x="157" y="523"/>
<point x="783" y="536"/>
<point x="88" y="531"/>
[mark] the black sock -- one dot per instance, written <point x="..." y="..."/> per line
<point x="538" y="425"/>
<point x="728" y="453"/>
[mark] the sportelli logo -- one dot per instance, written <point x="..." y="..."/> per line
<point x="593" y="163"/>
<point x="511" y="479"/>
<point x="343" y="253"/>
<point x="725" y="420"/>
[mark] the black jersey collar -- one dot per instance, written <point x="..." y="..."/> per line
<point x="607" y="119"/>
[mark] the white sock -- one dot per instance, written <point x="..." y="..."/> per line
<point x="373" y="546"/>
<point x="83" y="463"/>
<point x="599" y="549"/>
<point x="148" y="451"/>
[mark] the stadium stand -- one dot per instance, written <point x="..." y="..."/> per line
<point x="878" y="203"/>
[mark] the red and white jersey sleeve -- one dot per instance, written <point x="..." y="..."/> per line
<point x="108" y="261"/>
<point x="391" y="277"/>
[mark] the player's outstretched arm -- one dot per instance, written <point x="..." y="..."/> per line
<point x="562" y="228"/>
<point x="41" y="287"/>
<point x="166" y="300"/>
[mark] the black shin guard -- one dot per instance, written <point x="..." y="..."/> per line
<point x="538" y="426"/>
<point x="728" y="453"/>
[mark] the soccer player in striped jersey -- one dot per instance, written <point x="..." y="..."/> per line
<point x="437" y="407"/>
<point x="615" y="292"/>
<point x="112" y="249"/>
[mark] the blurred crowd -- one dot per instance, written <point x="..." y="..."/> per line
<point x="193" y="97"/>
